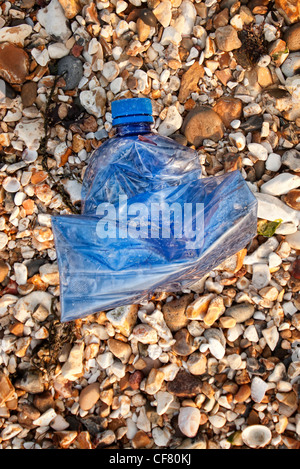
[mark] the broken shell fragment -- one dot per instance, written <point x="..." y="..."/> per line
<point x="256" y="436"/>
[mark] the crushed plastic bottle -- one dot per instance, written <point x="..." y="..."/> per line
<point x="149" y="220"/>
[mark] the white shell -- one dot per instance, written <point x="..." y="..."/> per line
<point x="256" y="436"/>
<point x="11" y="184"/>
<point x="29" y="155"/>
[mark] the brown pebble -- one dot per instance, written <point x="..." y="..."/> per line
<point x="89" y="396"/>
<point x="29" y="93"/>
<point x="44" y="401"/>
<point x="202" y="123"/>
<point x="229" y="109"/>
<point x="14" y="63"/>
<point x="4" y="269"/>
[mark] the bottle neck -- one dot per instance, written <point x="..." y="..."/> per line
<point x="133" y="128"/>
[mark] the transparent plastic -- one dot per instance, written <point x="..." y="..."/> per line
<point x="109" y="257"/>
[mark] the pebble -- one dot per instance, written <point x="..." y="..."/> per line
<point x="294" y="240"/>
<point x="227" y="38"/>
<point x="258" y="150"/>
<point x="291" y="159"/>
<point x="229" y="109"/>
<point x="202" y="123"/>
<point x="89" y="396"/>
<point x="292" y="37"/>
<point x="94" y="101"/>
<point x="291" y="64"/>
<point x="57" y="50"/>
<point x="53" y="19"/>
<point x="184" y="385"/>
<point x="15" y="34"/>
<point x="71" y="69"/>
<point x="281" y="184"/>
<point x="273" y="162"/>
<point x="174" y="312"/>
<point x="271" y="336"/>
<point x="240" y="312"/>
<point x="171" y="123"/>
<point x="261" y="276"/>
<point x="189" y="421"/>
<point x="14" y="63"/>
<point x="258" y="389"/>
<point x="271" y="208"/>
<point x="163" y="13"/>
<point x="29" y="93"/>
<point x="189" y="81"/>
<point x="292" y="199"/>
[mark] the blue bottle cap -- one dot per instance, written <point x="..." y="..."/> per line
<point x="131" y="111"/>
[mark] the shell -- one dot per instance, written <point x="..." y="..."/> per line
<point x="256" y="436"/>
<point x="11" y="184"/>
<point x="29" y="155"/>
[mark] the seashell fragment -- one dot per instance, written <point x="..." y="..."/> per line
<point x="11" y="184"/>
<point x="256" y="436"/>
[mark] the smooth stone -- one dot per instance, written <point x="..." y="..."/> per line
<point x="291" y="65"/>
<point x="184" y="343"/>
<point x="3" y="240"/>
<point x="4" y="269"/>
<point x="292" y="37"/>
<point x="119" y="349"/>
<point x="29" y="93"/>
<point x="197" y="364"/>
<point x="71" y="69"/>
<point x="57" y="50"/>
<point x="229" y="109"/>
<point x="241" y="312"/>
<point x="14" y="63"/>
<point x="164" y="400"/>
<point x="258" y="150"/>
<point x="271" y="208"/>
<point x="202" y="123"/>
<point x="163" y="13"/>
<point x="189" y="421"/>
<point x="185" y="21"/>
<point x="281" y="184"/>
<point x="273" y="162"/>
<point x="294" y="240"/>
<point x="261" y="276"/>
<point x="89" y="396"/>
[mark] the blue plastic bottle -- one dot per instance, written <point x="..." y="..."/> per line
<point x="149" y="220"/>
